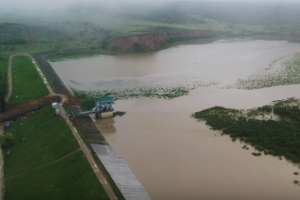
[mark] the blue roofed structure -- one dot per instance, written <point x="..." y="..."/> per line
<point x="105" y="99"/>
<point x="104" y="104"/>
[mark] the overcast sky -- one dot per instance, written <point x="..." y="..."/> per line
<point x="61" y="2"/>
<point x="24" y="4"/>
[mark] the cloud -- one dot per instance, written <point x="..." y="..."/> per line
<point x="18" y="5"/>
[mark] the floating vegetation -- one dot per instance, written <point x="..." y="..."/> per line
<point x="256" y="154"/>
<point x="296" y="182"/>
<point x="169" y="93"/>
<point x="166" y="86"/>
<point x="278" y="136"/>
<point x="287" y="74"/>
<point x="296" y="173"/>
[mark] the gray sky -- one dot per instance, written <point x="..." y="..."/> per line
<point x="25" y="4"/>
<point x="64" y="2"/>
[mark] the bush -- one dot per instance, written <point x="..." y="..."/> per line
<point x="6" y="140"/>
<point x="256" y="154"/>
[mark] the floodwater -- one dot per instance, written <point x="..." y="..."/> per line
<point x="173" y="155"/>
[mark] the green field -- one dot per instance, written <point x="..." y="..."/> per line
<point x="3" y="81"/>
<point x="3" y="63"/>
<point x="39" y="145"/>
<point x="27" y="83"/>
<point x="41" y="140"/>
<point x="71" y="178"/>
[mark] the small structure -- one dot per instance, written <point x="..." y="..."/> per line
<point x="54" y="105"/>
<point x="104" y="104"/>
<point x="8" y="125"/>
<point x="103" y="108"/>
<point x="57" y="111"/>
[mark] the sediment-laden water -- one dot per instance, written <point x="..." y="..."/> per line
<point x="173" y="155"/>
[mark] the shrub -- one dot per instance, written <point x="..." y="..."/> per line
<point x="6" y="140"/>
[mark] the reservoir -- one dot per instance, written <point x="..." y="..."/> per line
<point x="171" y="154"/>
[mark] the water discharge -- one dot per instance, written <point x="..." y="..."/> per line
<point x="173" y="155"/>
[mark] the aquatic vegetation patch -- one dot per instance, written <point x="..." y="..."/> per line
<point x="278" y="135"/>
<point x="166" y="86"/>
<point x="256" y="154"/>
<point x="287" y="74"/>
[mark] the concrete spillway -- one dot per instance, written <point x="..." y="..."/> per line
<point x="129" y="186"/>
<point x="83" y="113"/>
<point x="119" y="171"/>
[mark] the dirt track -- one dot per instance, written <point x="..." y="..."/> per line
<point x="14" y="109"/>
<point x="64" y="98"/>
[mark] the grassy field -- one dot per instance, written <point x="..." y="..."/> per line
<point x="71" y="178"/>
<point x="40" y="140"/>
<point x="27" y="83"/>
<point x="3" y="63"/>
<point x="39" y="145"/>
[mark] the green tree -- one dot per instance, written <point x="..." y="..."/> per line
<point x="6" y="140"/>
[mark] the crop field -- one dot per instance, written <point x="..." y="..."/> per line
<point x="27" y="83"/>
<point x="51" y="162"/>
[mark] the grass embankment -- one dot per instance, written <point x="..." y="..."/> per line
<point x="27" y="83"/>
<point x="3" y="63"/>
<point x="276" y="133"/>
<point x="45" y="142"/>
<point x="288" y="74"/>
<point x="3" y="81"/>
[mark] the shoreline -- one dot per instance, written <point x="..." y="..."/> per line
<point x="131" y="189"/>
<point x="163" y="132"/>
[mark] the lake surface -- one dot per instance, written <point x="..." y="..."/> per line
<point x="173" y="155"/>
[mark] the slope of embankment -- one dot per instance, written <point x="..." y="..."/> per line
<point x="124" y="184"/>
<point x="156" y="39"/>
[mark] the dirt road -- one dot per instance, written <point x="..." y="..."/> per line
<point x="100" y="175"/>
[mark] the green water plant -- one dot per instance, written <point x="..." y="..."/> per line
<point x="288" y="74"/>
<point x="278" y="136"/>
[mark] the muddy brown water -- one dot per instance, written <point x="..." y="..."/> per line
<point x="173" y="155"/>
